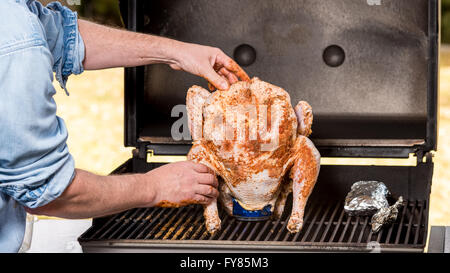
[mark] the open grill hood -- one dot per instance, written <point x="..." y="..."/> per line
<point x="380" y="102"/>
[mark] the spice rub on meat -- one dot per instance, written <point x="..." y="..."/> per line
<point x="257" y="143"/>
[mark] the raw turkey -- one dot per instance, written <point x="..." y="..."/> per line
<point x="257" y="143"/>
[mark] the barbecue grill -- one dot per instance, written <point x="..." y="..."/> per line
<point x="368" y="68"/>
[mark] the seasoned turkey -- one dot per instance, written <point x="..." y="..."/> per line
<point x="257" y="143"/>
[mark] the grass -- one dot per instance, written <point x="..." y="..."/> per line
<point x="94" y="116"/>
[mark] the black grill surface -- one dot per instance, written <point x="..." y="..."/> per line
<point x="326" y="226"/>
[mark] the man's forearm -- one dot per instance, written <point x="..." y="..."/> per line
<point x="91" y="195"/>
<point x="175" y="184"/>
<point x="108" y="47"/>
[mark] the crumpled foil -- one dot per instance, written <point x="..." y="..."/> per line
<point x="386" y="215"/>
<point x="366" y="198"/>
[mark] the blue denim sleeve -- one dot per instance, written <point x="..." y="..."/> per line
<point x="35" y="164"/>
<point x="65" y="42"/>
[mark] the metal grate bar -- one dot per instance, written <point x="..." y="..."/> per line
<point x="177" y="227"/>
<point x="117" y="222"/>
<point x="355" y="226"/>
<point x="235" y="230"/>
<point x="347" y="223"/>
<point x="200" y="230"/>
<point x="337" y="226"/>
<point x="380" y="233"/>
<point x="228" y="227"/>
<point x="164" y="223"/>
<point x="330" y="223"/>
<point x="287" y="236"/>
<point x="200" y="227"/>
<point x="244" y="231"/>
<point x="135" y="222"/>
<point x="224" y="223"/>
<point x="123" y="224"/>
<point x="305" y="220"/>
<point x="325" y="224"/>
<point x="389" y="234"/>
<point x="282" y="229"/>
<point x="313" y="221"/>
<point x="272" y="230"/>
<point x="266" y="225"/>
<point x="255" y="228"/>
<point x="204" y="235"/>
<point x="153" y="224"/>
<point x="101" y="228"/>
<point x="400" y="226"/>
<point x="143" y="223"/>
<point x="191" y="228"/>
<point x="411" y="218"/>
<point x="186" y="223"/>
<point x="369" y="238"/>
<point x="363" y="230"/>
<point x="419" y="223"/>
<point x="169" y="227"/>
<point x="313" y="239"/>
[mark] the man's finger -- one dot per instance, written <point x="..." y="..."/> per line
<point x="216" y="80"/>
<point x="225" y="78"/>
<point x="203" y="200"/>
<point x="230" y="76"/>
<point x="232" y="66"/>
<point x="217" y="66"/>
<point x="200" y="168"/>
<point x="208" y="179"/>
<point x="207" y="191"/>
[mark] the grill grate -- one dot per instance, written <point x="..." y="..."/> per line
<point x="325" y="225"/>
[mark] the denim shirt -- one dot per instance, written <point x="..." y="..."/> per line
<point x="35" y="164"/>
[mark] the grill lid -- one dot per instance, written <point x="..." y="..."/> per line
<point x="369" y="71"/>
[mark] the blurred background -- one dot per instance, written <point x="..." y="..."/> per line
<point x="94" y="116"/>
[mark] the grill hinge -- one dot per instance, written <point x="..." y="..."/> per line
<point x="142" y="149"/>
<point x="424" y="157"/>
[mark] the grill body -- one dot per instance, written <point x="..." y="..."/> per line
<point x="326" y="228"/>
<point x="381" y="102"/>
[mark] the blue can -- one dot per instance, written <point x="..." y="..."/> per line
<point x="251" y="215"/>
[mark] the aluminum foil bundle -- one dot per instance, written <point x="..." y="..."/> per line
<point x="366" y="198"/>
<point x="386" y="215"/>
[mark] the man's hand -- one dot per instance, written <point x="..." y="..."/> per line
<point x="208" y="62"/>
<point x="182" y="183"/>
<point x="109" y="47"/>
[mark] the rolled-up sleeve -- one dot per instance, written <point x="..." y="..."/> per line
<point x="35" y="164"/>
<point x="63" y="37"/>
